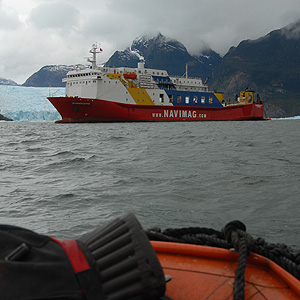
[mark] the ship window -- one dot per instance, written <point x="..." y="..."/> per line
<point x="170" y="98"/>
<point x="161" y="98"/>
<point x="195" y="99"/>
<point x="210" y="100"/>
<point x="203" y="99"/>
<point x="178" y="98"/>
<point x="187" y="99"/>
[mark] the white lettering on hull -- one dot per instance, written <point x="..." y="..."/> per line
<point x="171" y="114"/>
<point x="156" y="115"/>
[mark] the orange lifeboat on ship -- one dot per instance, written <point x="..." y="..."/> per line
<point x="130" y="75"/>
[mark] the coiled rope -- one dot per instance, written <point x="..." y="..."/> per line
<point x="233" y="235"/>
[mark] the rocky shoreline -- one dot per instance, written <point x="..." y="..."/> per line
<point x="2" y="118"/>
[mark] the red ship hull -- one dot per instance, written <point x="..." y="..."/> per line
<point x="83" y="110"/>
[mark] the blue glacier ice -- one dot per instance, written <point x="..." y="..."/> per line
<point x="29" y="104"/>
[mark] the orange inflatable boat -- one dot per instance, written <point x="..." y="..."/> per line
<point x="122" y="261"/>
<point x="202" y="272"/>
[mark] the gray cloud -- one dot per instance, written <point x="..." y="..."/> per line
<point x="54" y="15"/>
<point x="292" y="31"/>
<point x="216" y="23"/>
<point x="9" y="20"/>
<point x="61" y="32"/>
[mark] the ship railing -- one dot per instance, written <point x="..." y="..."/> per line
<point x="183" y="77"/>
<point x="231" y="103"/>
<point x="191" y="88"/>
<point x="146" y="85"/>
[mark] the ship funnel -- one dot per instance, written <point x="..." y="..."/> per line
<point x="141" y="65"/>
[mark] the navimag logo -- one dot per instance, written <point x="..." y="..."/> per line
<point x="182" y="114"/>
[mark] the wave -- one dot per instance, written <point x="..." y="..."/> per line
<point x="288" y="118"/>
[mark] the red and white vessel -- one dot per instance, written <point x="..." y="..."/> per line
<point x="105" y="94"/>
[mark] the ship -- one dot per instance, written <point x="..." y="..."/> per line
<point x="126" y="94"/>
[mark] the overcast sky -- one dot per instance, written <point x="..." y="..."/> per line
<point x="35" y="33"/>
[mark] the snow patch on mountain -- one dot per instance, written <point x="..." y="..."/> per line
<point x="137" y="53"/>
<point x="62" y="68"/>
<point x="145" y="42"/>
<point x="205" y="56"/>
<point x="126" y="54"/>
<point x="4" y="81"/>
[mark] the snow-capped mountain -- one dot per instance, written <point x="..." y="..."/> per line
<point x="4" y="81"/>
<point x="49" y="76"/>
<point x="146" y="45"/>
<point x="160" y="52"/>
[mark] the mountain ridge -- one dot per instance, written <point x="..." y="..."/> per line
<point x="4" y="81"/>
<point x="50" y="75"/>
<point x="270" y="65"/>
<point x="160" y="52"/>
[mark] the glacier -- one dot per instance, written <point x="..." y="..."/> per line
<point x="29" y="104"/>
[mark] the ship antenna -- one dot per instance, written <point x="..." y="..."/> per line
<point x="186" y="70"/>
<point x="93" y="59"/>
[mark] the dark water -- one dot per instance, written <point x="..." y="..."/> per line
<point x="64" y="180"/>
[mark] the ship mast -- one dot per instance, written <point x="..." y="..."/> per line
<point x="186" y="71"/>
<point x="93" y="59"/>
